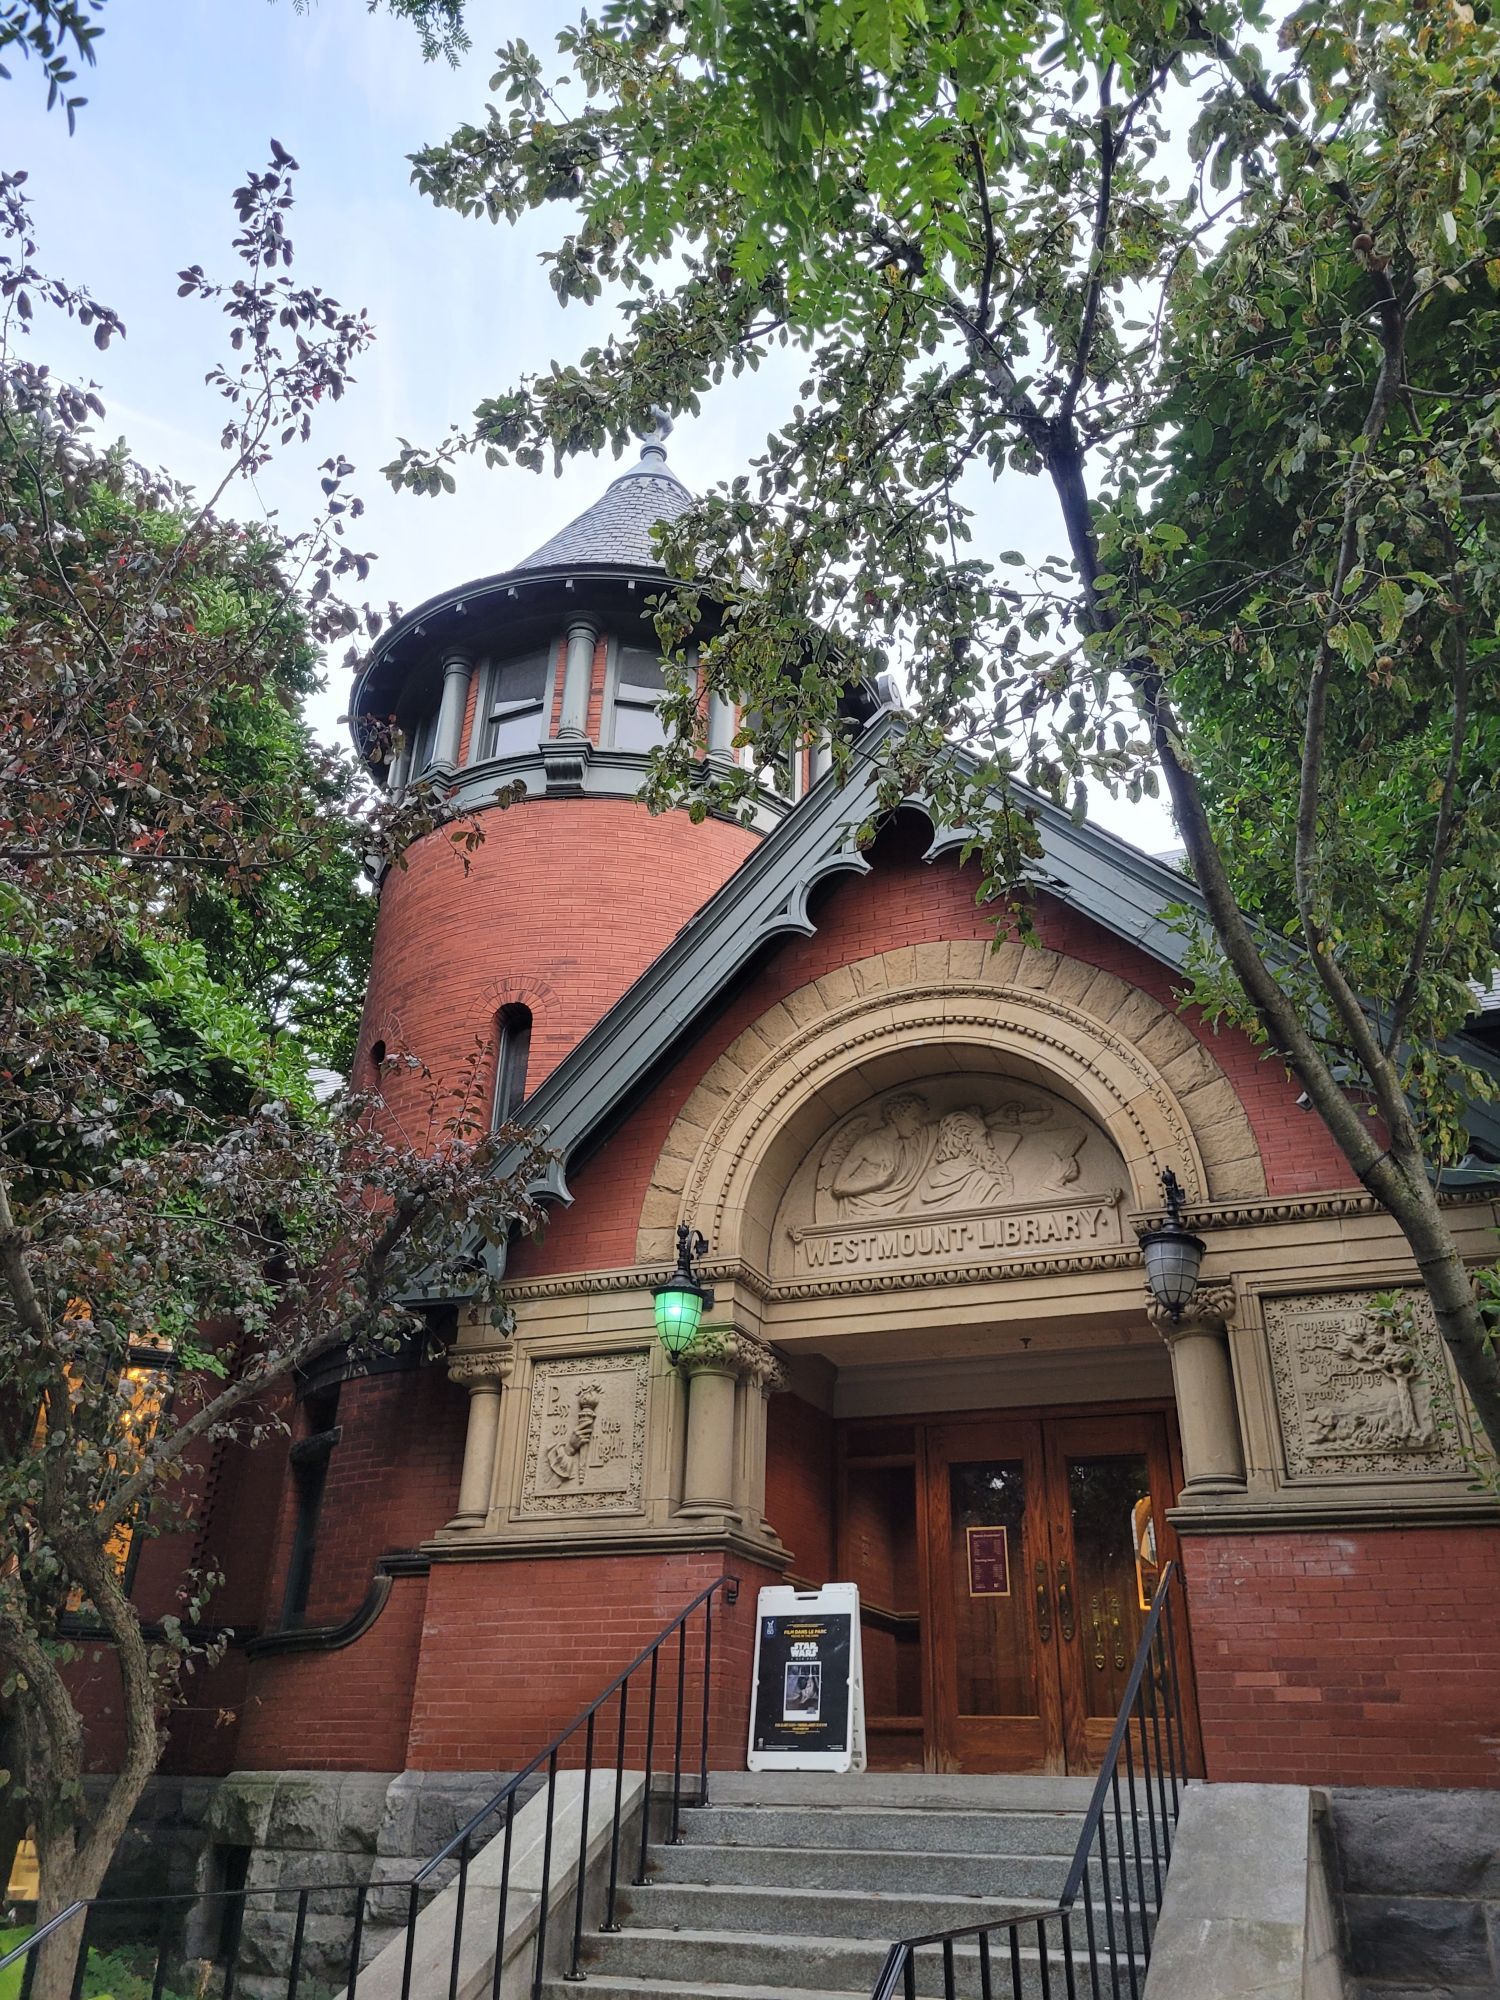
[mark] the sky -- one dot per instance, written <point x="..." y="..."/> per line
<point x="184" y="100"/>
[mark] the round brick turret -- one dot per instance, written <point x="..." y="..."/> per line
<point x="541" y="680"/>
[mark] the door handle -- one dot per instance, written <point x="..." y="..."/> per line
<point x="1043" y="1604"/>
<point x="1065" y="1600"/>
<point x="1118" y="1631"/>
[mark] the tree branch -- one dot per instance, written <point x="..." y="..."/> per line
<point x="1442" y="841"/>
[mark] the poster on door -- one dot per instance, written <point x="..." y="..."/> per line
<point x="807" y="1697"/>
<point x="989" y="1562"/>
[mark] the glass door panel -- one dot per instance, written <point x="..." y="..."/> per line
<point x="1110" y="1484"/>
<point x="991" y="1650"/>
<point x="995" y="1664"/>
<point x="1109" y="1501"/>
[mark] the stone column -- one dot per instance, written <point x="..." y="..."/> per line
<point x="720" y="727"/>
<point x="1204" y="1386"/>
<point x="483" y="1371"/>
<point x="719" y="1360"/>
<point x="578" y="672"/>
<point x="457" y="670"/>
<point x="822" y="757"/>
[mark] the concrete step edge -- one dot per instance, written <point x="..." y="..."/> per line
<point x="694" y="1989"/>
<point x="788" y="1890"/>
<point x="728" y="1847"/>
<point x="651" y="1934"/>
<point x="854" y="1808"/>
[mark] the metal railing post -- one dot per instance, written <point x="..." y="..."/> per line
<point x="573" y="1973"/>
<point x="708" y="1663"/>
<point x="609" y="1923"/>
<point x="640" y="1873"/>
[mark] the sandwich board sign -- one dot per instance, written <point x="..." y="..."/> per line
<point x="807" y="1710"/>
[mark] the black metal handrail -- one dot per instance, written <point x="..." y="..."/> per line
<point x="1117" y="1924"/>
<point x="494" y="1820"/>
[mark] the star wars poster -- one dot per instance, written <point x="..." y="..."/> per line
<point x="806" y="1709"/>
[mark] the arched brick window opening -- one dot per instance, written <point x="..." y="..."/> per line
<point x="512" y="1053"/>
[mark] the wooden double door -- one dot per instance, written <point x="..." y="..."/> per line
<point x="1006" y="1564"/>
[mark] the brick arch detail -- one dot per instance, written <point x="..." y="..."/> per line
<point x="532" y="993"/>
<point x="1116" y="1052"/>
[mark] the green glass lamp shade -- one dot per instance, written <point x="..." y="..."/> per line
<point x="679" y="1310"/>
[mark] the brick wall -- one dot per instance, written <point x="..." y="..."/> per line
<point x="564" y="903"/>
<point x="800" y="1497"/>
<point x="907" y="901"/>
<point x="511" y="1651"/>
<point x="1349" y="1658"/>
<point x="341" y="1711"/>
<point x="392" y="1481"/>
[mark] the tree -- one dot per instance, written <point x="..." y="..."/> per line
<point x="1219" y="278"/>
<point x="59" y="35"/>
<point x="183" y="1225"/>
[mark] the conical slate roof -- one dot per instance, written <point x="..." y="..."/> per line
<point x="617" y="528"/>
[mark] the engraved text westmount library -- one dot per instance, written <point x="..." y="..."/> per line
<point x="1047" y="1227"/>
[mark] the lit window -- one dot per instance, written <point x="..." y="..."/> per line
<point x="517" y="694"/>
<point x="143" y="1386"/>
<point x="512" y="1053"/>
<point x="638" y="690"/>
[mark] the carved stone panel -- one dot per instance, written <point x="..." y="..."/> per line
<point x="955" y="1170"/>
<point x="1356" y="1398"/>
<point x="586" y="1435"/>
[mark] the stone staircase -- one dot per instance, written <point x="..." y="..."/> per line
<point x="797" y="1885"/>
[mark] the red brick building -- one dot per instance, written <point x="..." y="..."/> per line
<point x="921" y="1159"/>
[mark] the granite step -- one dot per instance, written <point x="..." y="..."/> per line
<point x="884" y="1827"/>
<point x="703" y="1962"/>
<point x="898" y="1870"/>
<point x="852" y="1913"/>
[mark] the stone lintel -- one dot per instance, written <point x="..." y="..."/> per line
<point x="691" y="1538"/>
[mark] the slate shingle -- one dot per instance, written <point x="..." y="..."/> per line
<point x="617" y="528"/>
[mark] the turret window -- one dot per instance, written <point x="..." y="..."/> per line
<point x="638" y="692"/>
<point x="512" y="1053"/>
<point x="423" y="737"/>
<point x="516" y="721"/>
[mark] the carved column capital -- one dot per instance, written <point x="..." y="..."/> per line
<point x="482" y="1367"/>
<point x="1209" y="1310"/>
<point x="727" y="1351"/>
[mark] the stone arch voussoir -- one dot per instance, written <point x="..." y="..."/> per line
<point x="1128" y="1061"/>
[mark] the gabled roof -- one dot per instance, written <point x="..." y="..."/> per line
<point x="617" y="528"/>
<point x="1103" y="877"/>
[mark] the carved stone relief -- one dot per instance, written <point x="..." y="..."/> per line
<point x="945" y="1173"/>
<point x="1356" y="1397"/>
<point x="586" y="1435"/>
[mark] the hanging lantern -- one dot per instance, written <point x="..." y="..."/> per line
<point x="1173" y="1254"/>
<point x="680" y="1301"/>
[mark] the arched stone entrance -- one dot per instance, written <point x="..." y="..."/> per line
<point x="919" y="1177"/>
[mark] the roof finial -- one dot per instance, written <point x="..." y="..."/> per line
<point x="654" y="441"/>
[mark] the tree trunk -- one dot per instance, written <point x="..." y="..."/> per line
<point x="1396" y="1177"/>
<point x="1411" y="1199"/>
<point x="63" y="1881"/>
<point x="14" y="1818"/>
